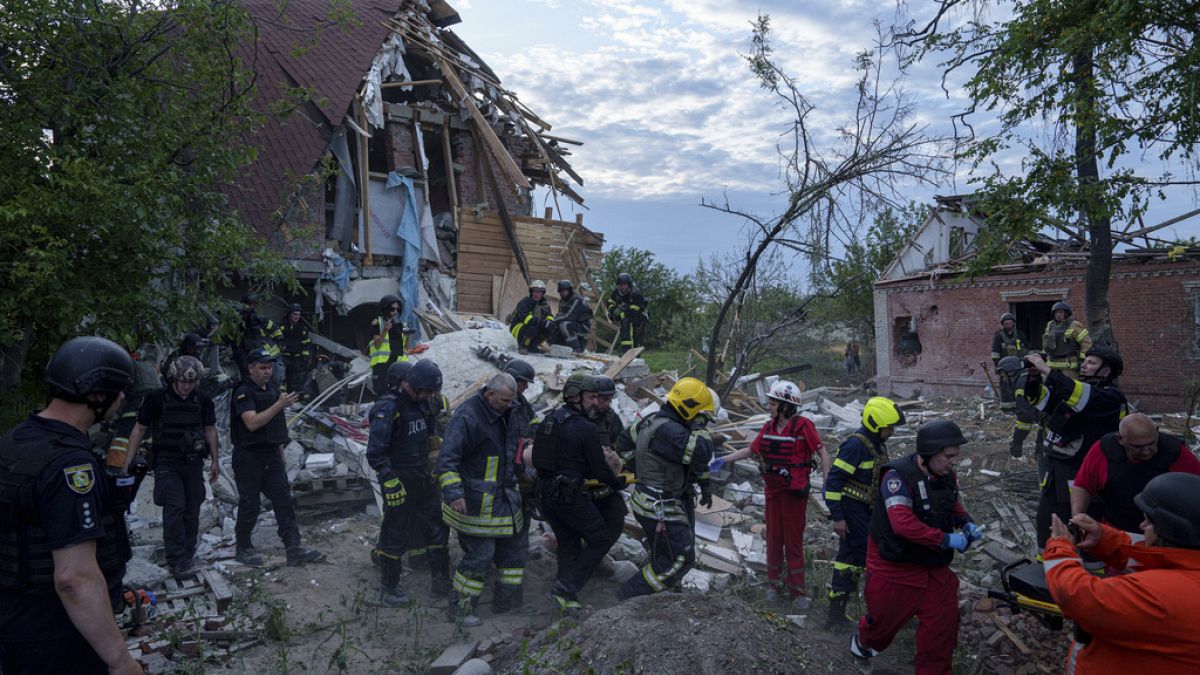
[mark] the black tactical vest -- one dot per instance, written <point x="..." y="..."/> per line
<point x="548" y="452"/>
<point x="294" y="335"/>
<point x="412" y="425"/>
<point x="26" y="560"/>
<point x="1126" y="480"/>
<point x="179" y="429"/>
<point x="274" y="433"/>
<point x="1055" y="340"/>
<point x="933" y="504"/>
<point x="1010" y="343"/>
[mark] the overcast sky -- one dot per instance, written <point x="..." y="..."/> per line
<point x="669" y="112"/>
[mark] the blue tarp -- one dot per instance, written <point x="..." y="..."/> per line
<point x="408" y="229"/>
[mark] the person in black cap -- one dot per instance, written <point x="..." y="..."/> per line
<point x="259" y="434"/>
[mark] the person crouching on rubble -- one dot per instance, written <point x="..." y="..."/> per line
<point x="673" y="450"/>
<point x="1145" y="620"/>
<point x="912" y="542"/>
<point x="786" y="444"/>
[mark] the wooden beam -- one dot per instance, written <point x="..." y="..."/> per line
<point x="452" y="180"/>
<point x="497" y="148"/>
<point x="364" y="181"/>
<point x="414" y="83"/>
<point x="615" y="369"/>
<point x="510" y="228"/>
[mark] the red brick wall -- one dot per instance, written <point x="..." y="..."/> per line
<point x="473" y="186"/>
<point x="1151" y="309"/>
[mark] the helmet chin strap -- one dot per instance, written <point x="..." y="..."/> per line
<point x="100" y="408"/>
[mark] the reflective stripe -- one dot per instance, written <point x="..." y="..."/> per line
<point x="833" y="496"/>
<point x="844" y="466"/>
<point x="449" y="478"/>
<point x="1073" y="657"/>
<point x="1043" y="399"/>
<point x="511" y="575"/>
<point x="1078" y="399"/>
<point x="489" y="474"/>
<point x="656" y="580"/>
<point x="846" y="567"/>
<point x="465" y="585"/>
<point x="667" y="510"/>
<point x="995" y="356"/>
<point x="482" y="526"/>
<point x="691" y="444"/>
<point x="1051" y="564"/>
<point x="869" y="464"/>
<point x="1024" y="426"/>
<point x="898" y="500"/>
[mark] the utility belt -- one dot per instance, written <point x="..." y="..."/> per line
<point x="859" y="490"/>
<point x="567" y="487"/>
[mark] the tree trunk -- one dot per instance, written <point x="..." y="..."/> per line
<point x="12" y="364"/>
<point x="743" y="282"/>
<point x="1095" y="215"/>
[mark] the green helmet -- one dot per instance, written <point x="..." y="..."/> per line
<point x="578" y="383"/>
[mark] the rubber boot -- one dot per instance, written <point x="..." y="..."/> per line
<point x="391" y="594"/>
<point x="836" y="618"/>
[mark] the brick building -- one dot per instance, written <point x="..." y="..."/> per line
<point x="933" y="325"/>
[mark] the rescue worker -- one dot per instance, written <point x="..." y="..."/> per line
<point x="327" y="373"/>
<point x="389" y="341"/>
<point x="182" y="422"/>
<point x="63" y="540"/>
<point x="1145" y="620"/>
<point x="672" y="451"/>
<point x="397" y="449"/>
<point x="610" y="429"/>
<point x="627" y="305"/>
<point x="532" y="322"/>
<point x="1027" y="389"/>
<point x="480" y="500"/>
<point x="917" y="510"/>
<point x="296" y="348"/>
<point x="566" y="453"/>
<point x="191" y="344"/>
<point x="573" y="322"/>
<point x="1008" y="341"/>
<point x="258" y="332"/>
<point x="1080" y="412"/>
<point x="787" y="445"/>
<point x="1120" y="465"/>
<point x="850" y="488"/>
<point x="146" y="379"/>
<point x="1064" y="341"/>
<point x="524" y="422"/>
<point x="259" y="433"/>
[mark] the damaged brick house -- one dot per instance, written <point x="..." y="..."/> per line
<point x="934" y="326"/>
<point x="406" y="169"/>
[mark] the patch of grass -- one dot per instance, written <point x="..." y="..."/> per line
<point x="668" y="358"/>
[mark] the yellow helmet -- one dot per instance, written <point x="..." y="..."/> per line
<point x="690" y="397"/>
<point x="880" y="412"/>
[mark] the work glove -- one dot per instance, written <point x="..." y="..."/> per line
<point x="974" y="532"/>
<point x="716" y="464"/>
<point x="393" y="490"/>
<point x="956" y="541"/>
<point x="705" y="497"/>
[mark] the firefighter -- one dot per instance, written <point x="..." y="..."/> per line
<point x="480" y="499"/>
<point x="1027" y="388"/>
<point x="1120" y="465"/>
<point x="850" y="488"/>
<point x="1144" y="620"/>
<point x="532" y="322"/>
<point x="258" y="332"/>
<point x="297" y="349"/>
<point x="627" y="305"/>
<point x="574" y="319"/>
<point x="916" y="512"/>
<point x="1079" y="412"/>
<point x="62" y="523"/>
<point x="673" y="450"/>
<point x="397" y="449"/>
<point x="389" y="341"/>
<point x="566" y="453"/>
<point x="610" y="429"/>
<point x="787" y="444"/>
<point x="1008" y="341"/>
<point x="1064" y="341"/>
<point x="191" y="344"/>
<point x="182" y="422"/>
<point x="146" y="380"/>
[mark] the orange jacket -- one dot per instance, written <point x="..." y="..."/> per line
<point x="1143" y="621"/>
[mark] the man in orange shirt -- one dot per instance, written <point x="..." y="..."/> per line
<point x="1144" y="620"/>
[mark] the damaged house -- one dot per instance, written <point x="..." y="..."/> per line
<point x="934" y="325"/>
<point x="407" y="168"/>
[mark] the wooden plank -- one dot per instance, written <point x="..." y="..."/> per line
<point x="497" y="289"/>
<point x="221" y="591"/>
<point x="615" y="369"/>
<point x="497" y="148"/>
<point x="470" y="391"/>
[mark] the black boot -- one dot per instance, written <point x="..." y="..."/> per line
<point x="391" y="594"/>
<point x="836" y="617"/>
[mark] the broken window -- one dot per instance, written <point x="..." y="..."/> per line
<point x="906" y="344"/>
<point x="958" y="242"/>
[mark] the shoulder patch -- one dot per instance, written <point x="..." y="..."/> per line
<point x="80" y="478"/>
<point x="893" y="485"/>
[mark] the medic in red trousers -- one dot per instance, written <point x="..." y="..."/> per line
<point x="786" y="445"/>
<point x="911" y="545"/>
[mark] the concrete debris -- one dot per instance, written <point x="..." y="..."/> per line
<point x="453" y="658"/>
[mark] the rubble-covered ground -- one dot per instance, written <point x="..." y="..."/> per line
<point x="322" y="618"/>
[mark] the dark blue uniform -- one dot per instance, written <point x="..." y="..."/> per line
<point x="67" y="501"/>
<point x="258" y="465"/>
<point x="849" y="491"/>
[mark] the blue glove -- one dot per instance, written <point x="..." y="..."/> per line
<point x="716" y="464"/>
<point x="956" y="541"/>
<point x="974" y="532"/>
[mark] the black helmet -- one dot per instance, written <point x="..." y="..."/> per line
<point x="1171" y="502"/>
<point x="424" y="374"/>
<point x="520" y="370"/>
<point x="565" y="285"/>
<point x="933" y="436"/>
<point x="1010" y="365"/>
<point x="192" y="342"/>
<point x="624" y="278"/>
<point x="389" y="300"/>
<point x="1007" y="316"/>
<point x="1061" y="305"/>
<point x="294" y="307"/>
<point x="260" y="356"/>
<point x="88" y="365"/>
<point x="578" y="383"/>
<point x="1112" y="359"/>
<point x="605" y="385"/>
<point x="397" y="372"/>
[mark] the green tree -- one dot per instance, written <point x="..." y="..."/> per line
<point x="1113" y="77"/>
<point x="673" y="298"/>
<point x="119" y="122"/>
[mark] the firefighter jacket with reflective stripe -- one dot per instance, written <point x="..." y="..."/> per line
<point x="575" y="308"/>
<point x="1032" y="400"/>
<point x="1078" y="414"/>
<point x="1065" y="343"/>
<point x="632" y="304"/>
<point x="294" y="339"/>
<point x="26" y="559"/>
<point x="855" y="471"/>
<point x="260" y="333"/>
<point x="179" y="429"/>
<point x="529" y="311"/>
<point x="670" y="456"/>
<point x="381" y="354"/>
<point x="1006" y="343"/>
<point x="268" y="436"/>
<point x="787" y="453"/>
<point x="399" y="435"/>
<point x="1126" y="480"/>
<point x="477" y="463"/>
<point x="1144" y="621"/>
<point x="932" y="500"/>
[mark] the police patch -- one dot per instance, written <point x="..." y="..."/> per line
<point x="80" y="478"/>
<point x="893" y="485"/>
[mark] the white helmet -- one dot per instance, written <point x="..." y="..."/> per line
<point x="785" y="392"/>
